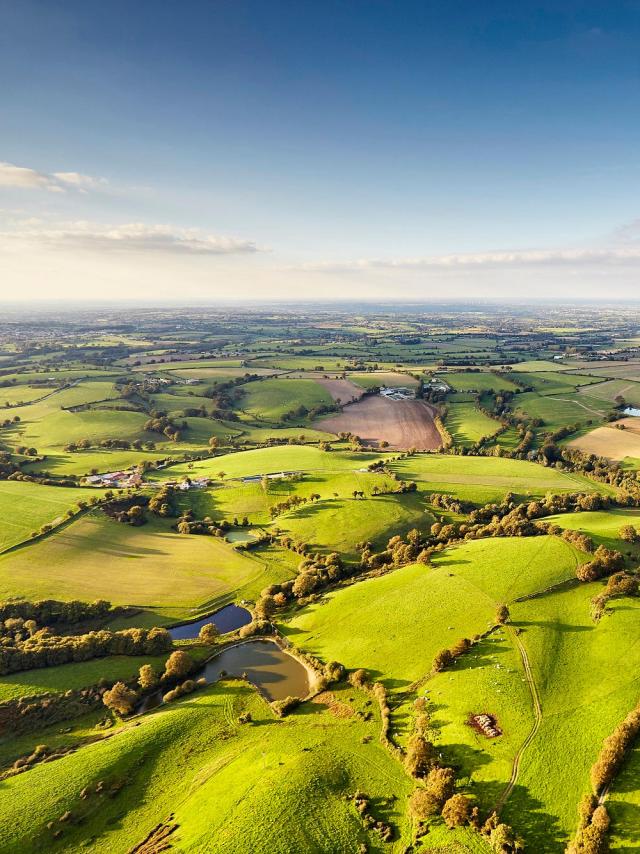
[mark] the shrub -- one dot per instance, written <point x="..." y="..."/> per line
<point x="456" y="811"/>
<point x="178" y="664"/>
<point x="120" y="699"/>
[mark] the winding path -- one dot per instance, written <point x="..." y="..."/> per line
<point x="537" y="712"/>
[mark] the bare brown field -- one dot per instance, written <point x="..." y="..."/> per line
<point x="611" y="442"/>
<point x="402" y="423"/>
<point x="343" y="391"/>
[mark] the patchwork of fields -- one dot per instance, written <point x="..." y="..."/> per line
<point x="336" y="522"/>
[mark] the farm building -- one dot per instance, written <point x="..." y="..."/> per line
<point x="398" y="393"/>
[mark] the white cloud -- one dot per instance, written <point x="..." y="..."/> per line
<point x="129" y="237"/>
<point x="516" y="259"/>
<point x="25" y="178"/>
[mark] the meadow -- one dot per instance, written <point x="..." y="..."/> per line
<point x="467" y="425"/>
<point x="154" y="568"/>
<point x="26" y="507"/>
<point x="195" y="765"/>
<point x="487" y="479"/>
<point x="394" y="625"/>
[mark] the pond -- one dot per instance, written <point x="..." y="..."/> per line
<point x="274" y="672"/>
<point x="240" y="536"/>
<point x="631" y="410"/>
<point x="227" y="619"/>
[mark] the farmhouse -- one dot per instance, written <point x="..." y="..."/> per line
<point x="438" y="384"/>
<point x="119" y="479"/>
<point x="399" y="393"/>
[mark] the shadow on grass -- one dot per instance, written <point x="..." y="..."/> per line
<point x="540" y="829"/>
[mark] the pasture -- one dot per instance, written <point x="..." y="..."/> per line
<point x="215" y="775"/>
<point x="467" y="425"/>
<point x="395" y="624"/>
<point x="25" y="507"/>
<point x="576" y="666"/>
<point x="272" y="399"/>
<point x="477" y="381"/>
<point x="151" y="567"/>
<point x="485" y="479"/>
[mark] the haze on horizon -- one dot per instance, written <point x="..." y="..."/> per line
<point x="301" y="150"/>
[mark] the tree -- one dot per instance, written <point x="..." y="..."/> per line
<point x="439" y="783"/>
<point x="456" y="811"/>
<point x="422" y="804"/>
<point x="120" y="699"/>
<point x="214" y="443"/>
<point x="209" y="633"/>
<point x="148" y="677"/>
<point x="420" y="756"/>
<point x="442" y="660"/>
<point x="502" y="614"/>
<point x="178" y="664"/>
<point x="629" y="534"/>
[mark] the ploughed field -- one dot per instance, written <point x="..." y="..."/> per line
<point x="402" y="423"/>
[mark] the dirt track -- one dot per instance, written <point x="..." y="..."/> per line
<point x="402" y="423"/>
<point x="343" y="390"/>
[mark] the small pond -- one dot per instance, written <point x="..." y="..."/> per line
<point x="240" y="536"/>
<point x="227" y="619"/>
<point x="276" y="673"/>
<point x="631" y="410"/>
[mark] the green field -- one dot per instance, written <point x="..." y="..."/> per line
<point x="561" y="410"/>
<point x="477" y="381"/>
<point x="271" y="399"/>
<point x="584" y="693"/>
<point x="152" y="567"/>
<point x="286" y="458"/>
<point x="467" y="425"/>
<point x="216" y="776"/>
<point x="25" y="507"/>
<point x="487" y="479"/>
<point x="394" y="625"/>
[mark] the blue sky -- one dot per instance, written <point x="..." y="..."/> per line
<point x="278" y="149"/>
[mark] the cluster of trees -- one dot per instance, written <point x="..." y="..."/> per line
<point x="297" y="413"/>
<point x="188" y="525"/>
<point x="619" y="584"/>
<point x="314" y="573"/>
<point x="7" y="465"/>
<point x="26" y="452"/>
<point x="163" y="502"/>
<point x="133" y="515"/>
<point x="446" y="657"/>
<point x="614" y="749"/>
<point x="25" y="714"/>
<point x="123" y="698"/>
<point x="51" y="612"/>
<point x="604" y="562"/>
<point x="292" y="503"/>
<point x="450" y="503"/>
<point x="159" y="422"/>
<point x="593" y="826"/>
<point x="44" y="649"/>
<point x="118" y="444"/>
